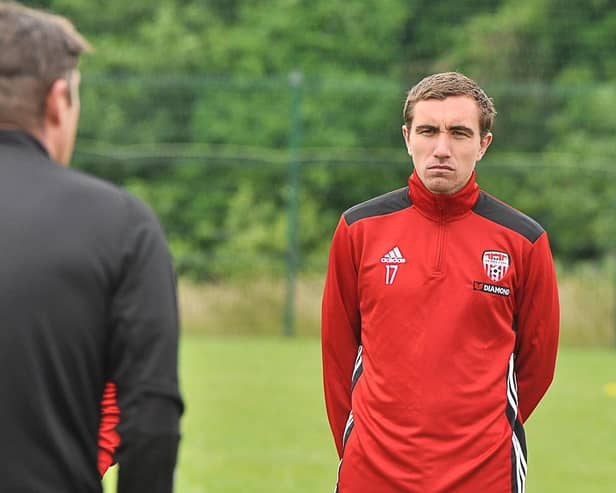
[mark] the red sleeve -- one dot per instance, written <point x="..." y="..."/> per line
<point x="108" y="438"/>
<point x="340" y="331"/>
<point x="538" y="328"/>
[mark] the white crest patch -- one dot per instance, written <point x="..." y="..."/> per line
<point x="495" y="264"/>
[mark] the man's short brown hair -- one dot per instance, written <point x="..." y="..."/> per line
<point x="36" y="49"/>
<point x="446" y="84"/>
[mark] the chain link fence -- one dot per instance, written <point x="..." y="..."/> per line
<point x="249" y="178"/>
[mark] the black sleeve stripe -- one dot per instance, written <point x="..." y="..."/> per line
<point x="505" y="215"/>
<point x="379" y="206"/>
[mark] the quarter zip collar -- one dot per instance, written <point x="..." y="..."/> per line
<point x="443" y="207"/>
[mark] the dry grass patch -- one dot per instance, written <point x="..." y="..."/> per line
<point x="256" y="306"/>
<point x="587" y="306"/>
<point x="249" y="306"/>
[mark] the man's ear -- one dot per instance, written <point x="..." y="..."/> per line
<point x="406" y="133"/>
<point x="56" y="102"/>
<point x="485" y="143"/>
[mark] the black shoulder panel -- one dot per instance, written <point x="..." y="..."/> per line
<point x="505" y="215"/>
<point x="379" y="206"/>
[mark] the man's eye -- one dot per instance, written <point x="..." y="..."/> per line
<point x="426" y="131"/>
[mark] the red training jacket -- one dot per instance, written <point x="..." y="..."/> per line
<point x="439" y="336"/>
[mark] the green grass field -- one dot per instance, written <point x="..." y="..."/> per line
<point x="255" y="421"/>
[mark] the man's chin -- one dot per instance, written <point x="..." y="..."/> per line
<point x="441" y="186"/>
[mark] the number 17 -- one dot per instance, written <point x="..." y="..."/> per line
<point x="390" y="274"/>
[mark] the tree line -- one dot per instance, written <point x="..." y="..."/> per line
<point x="199" y="107"/>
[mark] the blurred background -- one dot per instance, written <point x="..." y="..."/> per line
<point x="250" y="126"/>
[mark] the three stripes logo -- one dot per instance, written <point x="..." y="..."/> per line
<point x="392" y="259"/>
<point x="394" y="256"/>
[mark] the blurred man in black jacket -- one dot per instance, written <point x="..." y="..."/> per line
<point x="87" y="291"/>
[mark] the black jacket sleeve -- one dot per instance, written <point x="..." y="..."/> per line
<point x="142" y="356"/>
<point x="151" y="463"/>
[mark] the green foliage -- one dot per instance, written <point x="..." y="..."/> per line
<point x="191" y="105"/>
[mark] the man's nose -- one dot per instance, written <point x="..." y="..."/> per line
<point x="442" y="149"/>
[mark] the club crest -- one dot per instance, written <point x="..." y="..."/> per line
<point x="495" y="264"/>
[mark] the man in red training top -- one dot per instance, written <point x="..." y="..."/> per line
<point x="440" y="316"/>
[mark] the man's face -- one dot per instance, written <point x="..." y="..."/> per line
<point x="444" y="142"/>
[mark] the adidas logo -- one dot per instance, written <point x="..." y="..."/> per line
<point x="394" y="256"/>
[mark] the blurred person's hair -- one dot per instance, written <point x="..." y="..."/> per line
<point x="444" y="85"/>
<point x="36" y="49"/>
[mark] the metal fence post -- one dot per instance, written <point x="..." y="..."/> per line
<point x="295" y="84"/>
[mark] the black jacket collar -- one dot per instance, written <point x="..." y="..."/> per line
<point x="20" y="138"/>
